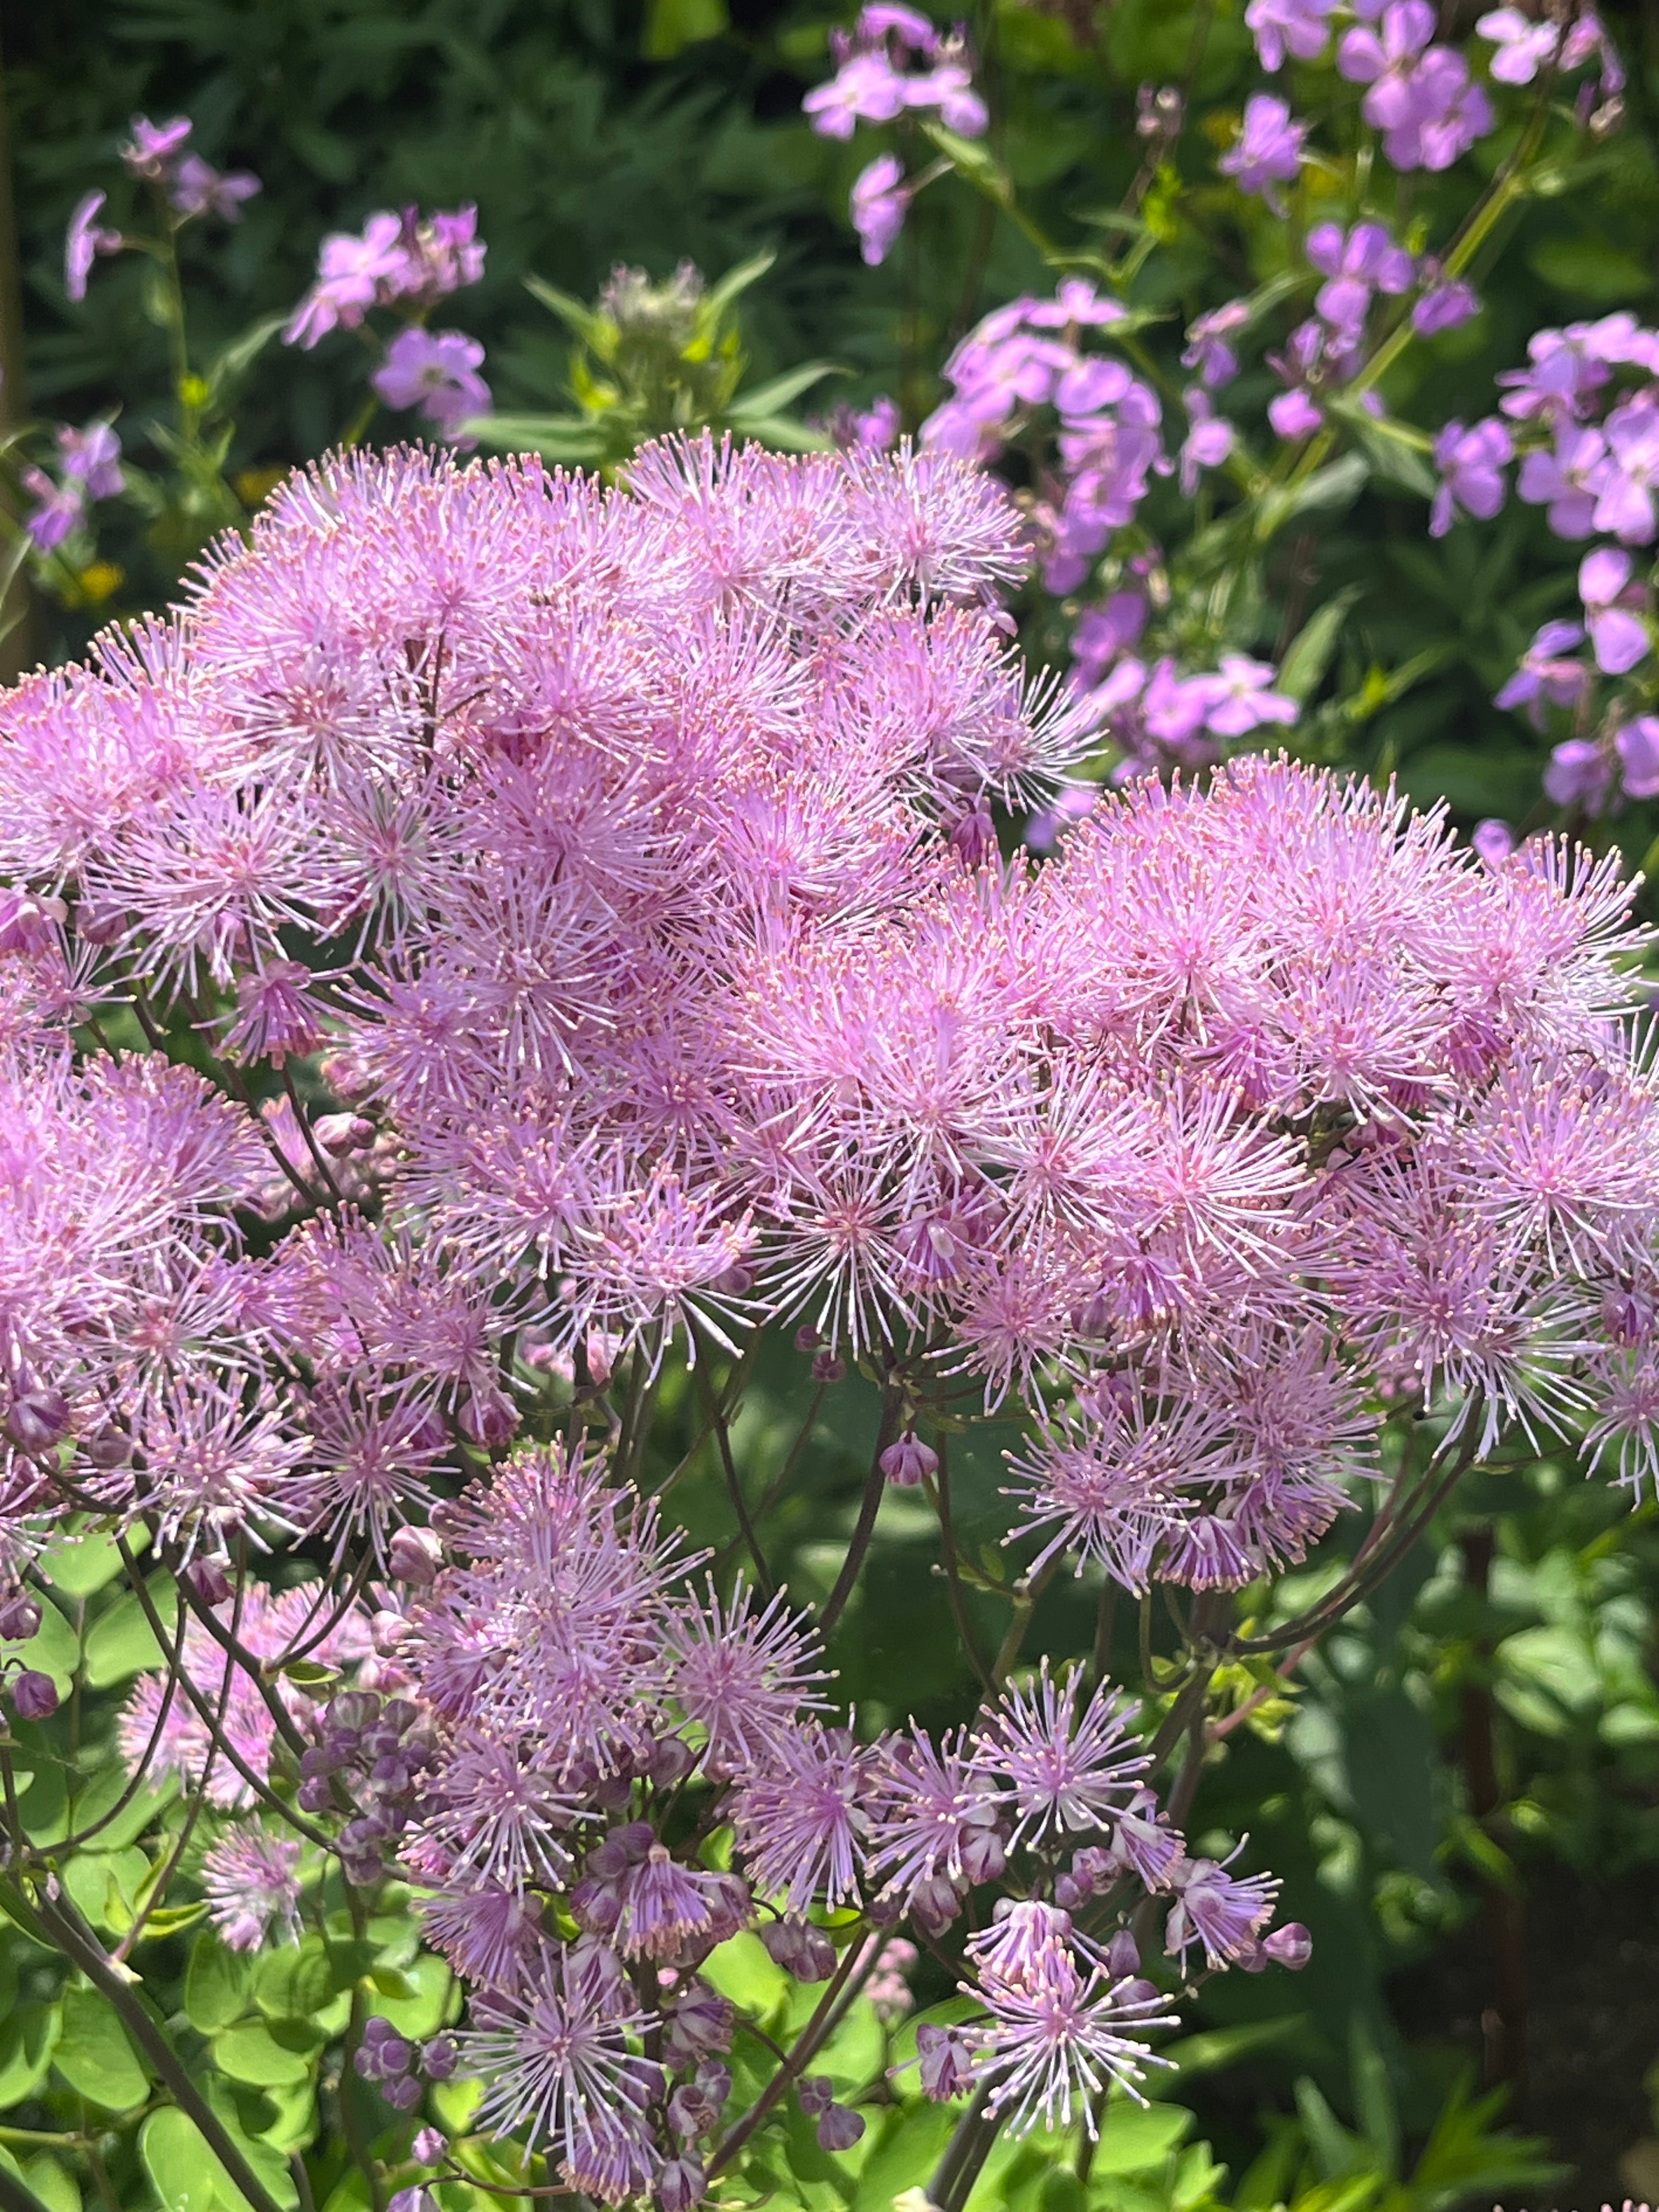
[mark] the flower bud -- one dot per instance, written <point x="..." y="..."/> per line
<point x="1123" y="1955"/>
<point x="671" y="1760"/>
<point x="681" y="2183"/>
<point x="595" y="1906"/>
<point x="343" y="1133"/>
<point x="37" y="1419"/>
<point x="1291" y="1946"/>
<point x="344" y="1076"/>
<point x="840" y="2128"/>
<point x="352" y="1710"/>
<point x="20" y="1619"/>
<point x="403" y="2094"/>
<point x="806" y="1953"/>
<point x="909" y="1462"/>
<point x="973" y="836"/>
<point x="808" y="1339"/>
<point x="984" y="1855"/>
<point x="429" y="2146"/>
<point x="816" y="2093"/>
<point x="935" y="1906"/>
<point x="488" y="1418"/>
<point x="1069" y="1895"/>
<point x="946" y="2061"/>
<point x="33" y="1697"/>
<point x="209" y="1578"/>
<point x="440" y="2058"/>
<point x="828" y="1367"/>
<point x="415" y="1556"/>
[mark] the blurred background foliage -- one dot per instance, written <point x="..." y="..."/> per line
<point x="1461" y="1787"/>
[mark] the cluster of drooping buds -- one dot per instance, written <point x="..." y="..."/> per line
<point x="372" y="1754"/>
<point x="397" y="2067"/>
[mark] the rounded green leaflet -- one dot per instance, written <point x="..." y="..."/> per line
<point x="95" y="2056"/>
<point x="29" y="2036"/>
<point x="252" y="2054"/>
<point x="215" y="1985"/>
<point x="122" y="1643"/>
<point x="187" y="2176"/>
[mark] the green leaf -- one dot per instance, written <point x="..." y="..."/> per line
<point x="1326" y="491"/>
<point x="974" y="162"/>
<point x="103" y="1885"/>
<point x="743" y="1969"/>
<point x="908" y="2145"/>
<point x="1373" y="2099"/>
<point x="55" y="2187"/>
<point x="736" y="282"/>
<point x="569" y="437"/>
<point x="252" y="2054"/>
<point x="420" y="2012"/>
<point x="122" y="1644"/>
<point x="80" y="1565"/>
<point x="295" y="1983"/>
<point x="215" y="1985"/>
<point x="784" y="433"/>
<point x="29" y="2036"/>
<point x="229" y="2105"/>
<point x="95" y="2056"/>
<point x="1214" y="2048"/>
<point x="1302" y="669"/>
<point x="54" y="1650"/>
<point x="240" y="355"/>
<point x="187" y="2176"/>
<point x="1336" y="2153"/>
<point x="778" y="390"/>
<point x="103" y="1792"/>
<point x="1591" y="269"/>
<point x="1134" y="2137"/>
<point x="591" y="327"/>
<point x="672" y="24"/>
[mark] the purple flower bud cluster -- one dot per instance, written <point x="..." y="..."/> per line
<point x="400" y="2071"/>
<point x="370" y="1756"/>
<point x="155" y="155"/>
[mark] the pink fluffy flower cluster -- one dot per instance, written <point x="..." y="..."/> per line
<point x="631" y="859"/>
<point x="590" y="903"/>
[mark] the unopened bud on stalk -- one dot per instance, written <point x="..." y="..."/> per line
<point x="1291" y="1946"/>
<point x="1123" y="1955"/>
<point x="828" y="1367"/>
<point x="19" y="1618"/>
<point x="415" y="1556"/>
<point x="33" y="1697"/>
<point x="210" y="1579"/>
<point x="37" y="1419"/>
<point x="343" y="1133"/>
<point x="909" y="1462"/>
